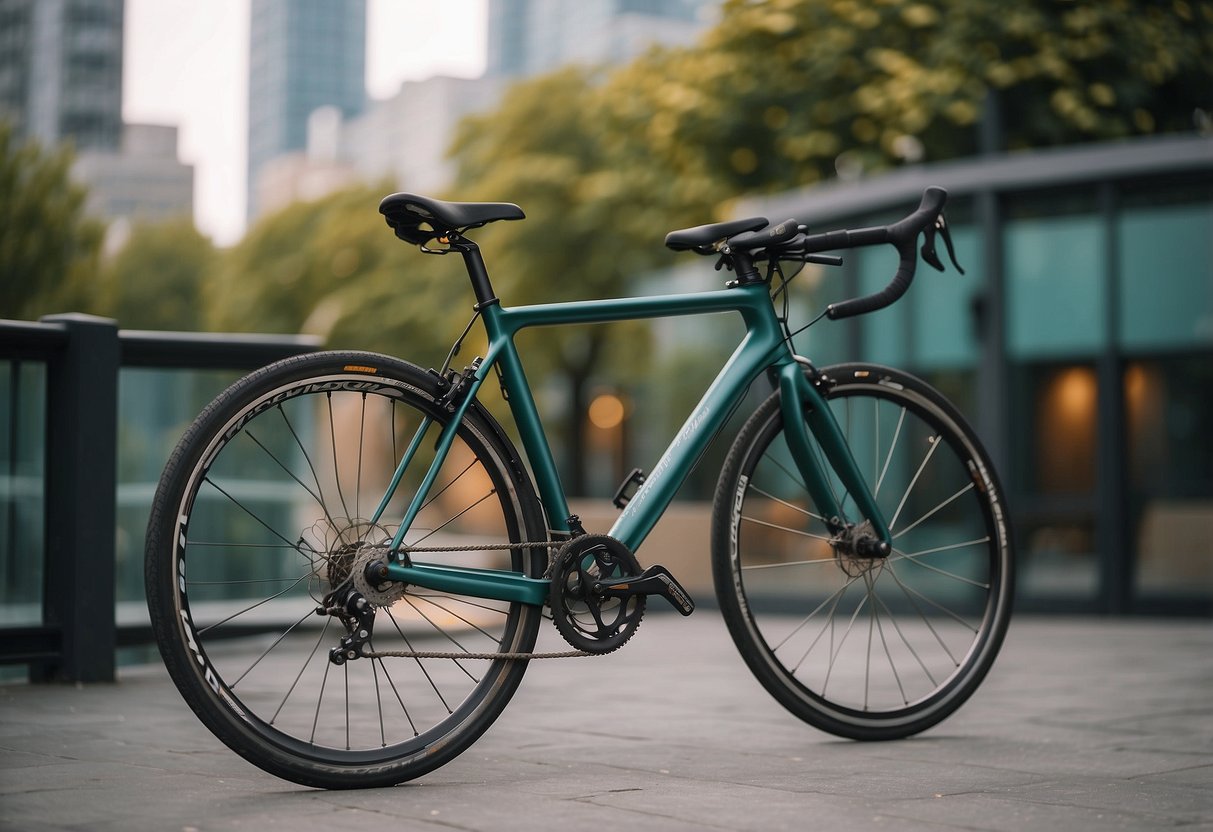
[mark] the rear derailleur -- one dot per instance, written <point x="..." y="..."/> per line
<point x="358" y="615"/>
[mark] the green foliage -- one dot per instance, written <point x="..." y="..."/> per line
<point x="784" y="94"/>
<point x="332" y="268"/>
<point x="157" y="279"/>
<point x="48" y="247"/>
<point x="587" y="229"/>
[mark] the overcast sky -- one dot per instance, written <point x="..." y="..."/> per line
<point x="187" y="64"/>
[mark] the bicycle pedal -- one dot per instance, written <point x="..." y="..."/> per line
<point x="656" y="580"/>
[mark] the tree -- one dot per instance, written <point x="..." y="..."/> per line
<point x="48" y="246"/>
<point x="786" y="94"/>
<point x="332" y="268"/>
<point x="157" y="279"/>
<point x="587" y="228"/>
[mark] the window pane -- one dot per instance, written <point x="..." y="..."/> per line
<point x="1168" y="413"/>
<point x="941" y="305"/>
<point x="1055" y="270"/>
<point x="1053" y="470"/>
<point x="22" y="491"/>
<point x="154" y="409"/>
<point x="1166" y="275"/>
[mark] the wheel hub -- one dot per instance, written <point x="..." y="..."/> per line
<point x="858" y="550"/>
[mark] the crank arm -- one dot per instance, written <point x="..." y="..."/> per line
<point x="656" y="580"/>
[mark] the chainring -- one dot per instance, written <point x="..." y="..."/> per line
<point x="588" y="620"/>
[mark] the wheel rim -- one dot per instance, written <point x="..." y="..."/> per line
<point x="874" y="641"/>
<point x="274" y="516"/>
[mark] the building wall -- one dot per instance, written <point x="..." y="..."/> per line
<point x="61" y="70"/>
<point x="1080" y="342"/>
<point x="142" y="181"/>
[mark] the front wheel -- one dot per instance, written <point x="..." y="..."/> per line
<point x="263" y="516"/>
<point x="866" y="648"/>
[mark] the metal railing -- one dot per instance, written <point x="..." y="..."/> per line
<point x="77" y="636"/>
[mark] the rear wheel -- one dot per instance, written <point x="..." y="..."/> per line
<point x="866" y="648"/>
<point x="261" y="515"/>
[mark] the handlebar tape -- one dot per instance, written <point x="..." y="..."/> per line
<point x="903" y="235"/>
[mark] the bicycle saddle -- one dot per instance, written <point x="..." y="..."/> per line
<point x="406" y="213"/>
<point x="704" y="235"/>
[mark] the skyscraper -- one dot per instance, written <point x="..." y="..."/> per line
<point x="527" y="37"/>
<point x="303" y="54"/>
<point x="61" y="70"/>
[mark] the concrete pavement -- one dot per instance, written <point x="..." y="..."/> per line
<point x="1083" y="724"/>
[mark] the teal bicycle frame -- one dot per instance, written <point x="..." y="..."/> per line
<point x="763" y="347"/>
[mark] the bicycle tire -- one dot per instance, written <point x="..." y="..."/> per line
<point x="937" y="608"/>
<point x="258" y="514"/>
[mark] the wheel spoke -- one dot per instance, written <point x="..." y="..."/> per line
<point x="792" y="506"/>
<point x="834" y="596"/>
<point x="913" y="558"/>
<point x="279" y="594"/>
<point x="892" y="447"/>
<point x="758" y="522"/>
<point x="906" y="642"/>
<point x="277" y="492"/>
<point x="430" y="600"/>
<point x="316" y="477"/>
<point x="933" y="511"/>
<point x="277" y="641"/>
<point x="448" y="522"/>
<point x="336" y="462"/>
<point x="323" y="632"/>
<point x="934" y="442"/>
<point x="829" y="625"/>
<point x="283" y="466"/>
<point x="409" y="645"/>
<point x="911" y="593"/>
<point x="912" y="661"/>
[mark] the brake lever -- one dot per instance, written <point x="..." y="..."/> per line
<point x="929" y="254"/>
<point x="947" y="241"/>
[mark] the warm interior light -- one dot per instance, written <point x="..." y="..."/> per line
<point x="606" y="411"/>
<point x="1067" y="407"/>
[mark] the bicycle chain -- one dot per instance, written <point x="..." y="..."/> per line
<point x="439" y="654"/>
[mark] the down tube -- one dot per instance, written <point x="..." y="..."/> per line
<point x="647" y="505"/>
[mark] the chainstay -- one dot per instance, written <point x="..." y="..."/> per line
<point x="438" y="654"/>
<point x="537" y="544"/>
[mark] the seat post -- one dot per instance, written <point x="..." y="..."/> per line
<point x="474" y="263"/>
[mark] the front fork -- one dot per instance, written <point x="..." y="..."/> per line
<point x="804" y="409"/>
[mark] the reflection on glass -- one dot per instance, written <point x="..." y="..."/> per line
<point x="1168" y="410"/>
<point x="1055" y="471"/>
<point x="22" y="490"/>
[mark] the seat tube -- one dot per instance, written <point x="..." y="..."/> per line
<point x="479" y="275"/>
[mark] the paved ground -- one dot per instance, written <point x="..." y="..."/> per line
<point x="1083" y="724"/>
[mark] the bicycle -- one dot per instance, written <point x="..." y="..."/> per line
<point x="339" y="509"/>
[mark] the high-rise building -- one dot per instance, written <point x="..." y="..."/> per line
<point x="303" y="54"/>
<point x="527" y="37"/>
<point x="61" y="70"/>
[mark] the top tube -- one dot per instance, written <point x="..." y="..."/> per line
<point x="762" y="346"/>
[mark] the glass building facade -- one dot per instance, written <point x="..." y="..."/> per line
<point x="303" y="55"/>
<point x="1079" y="342"/>
<point x="528" y="37"/>
<point x="61" y="70"/>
